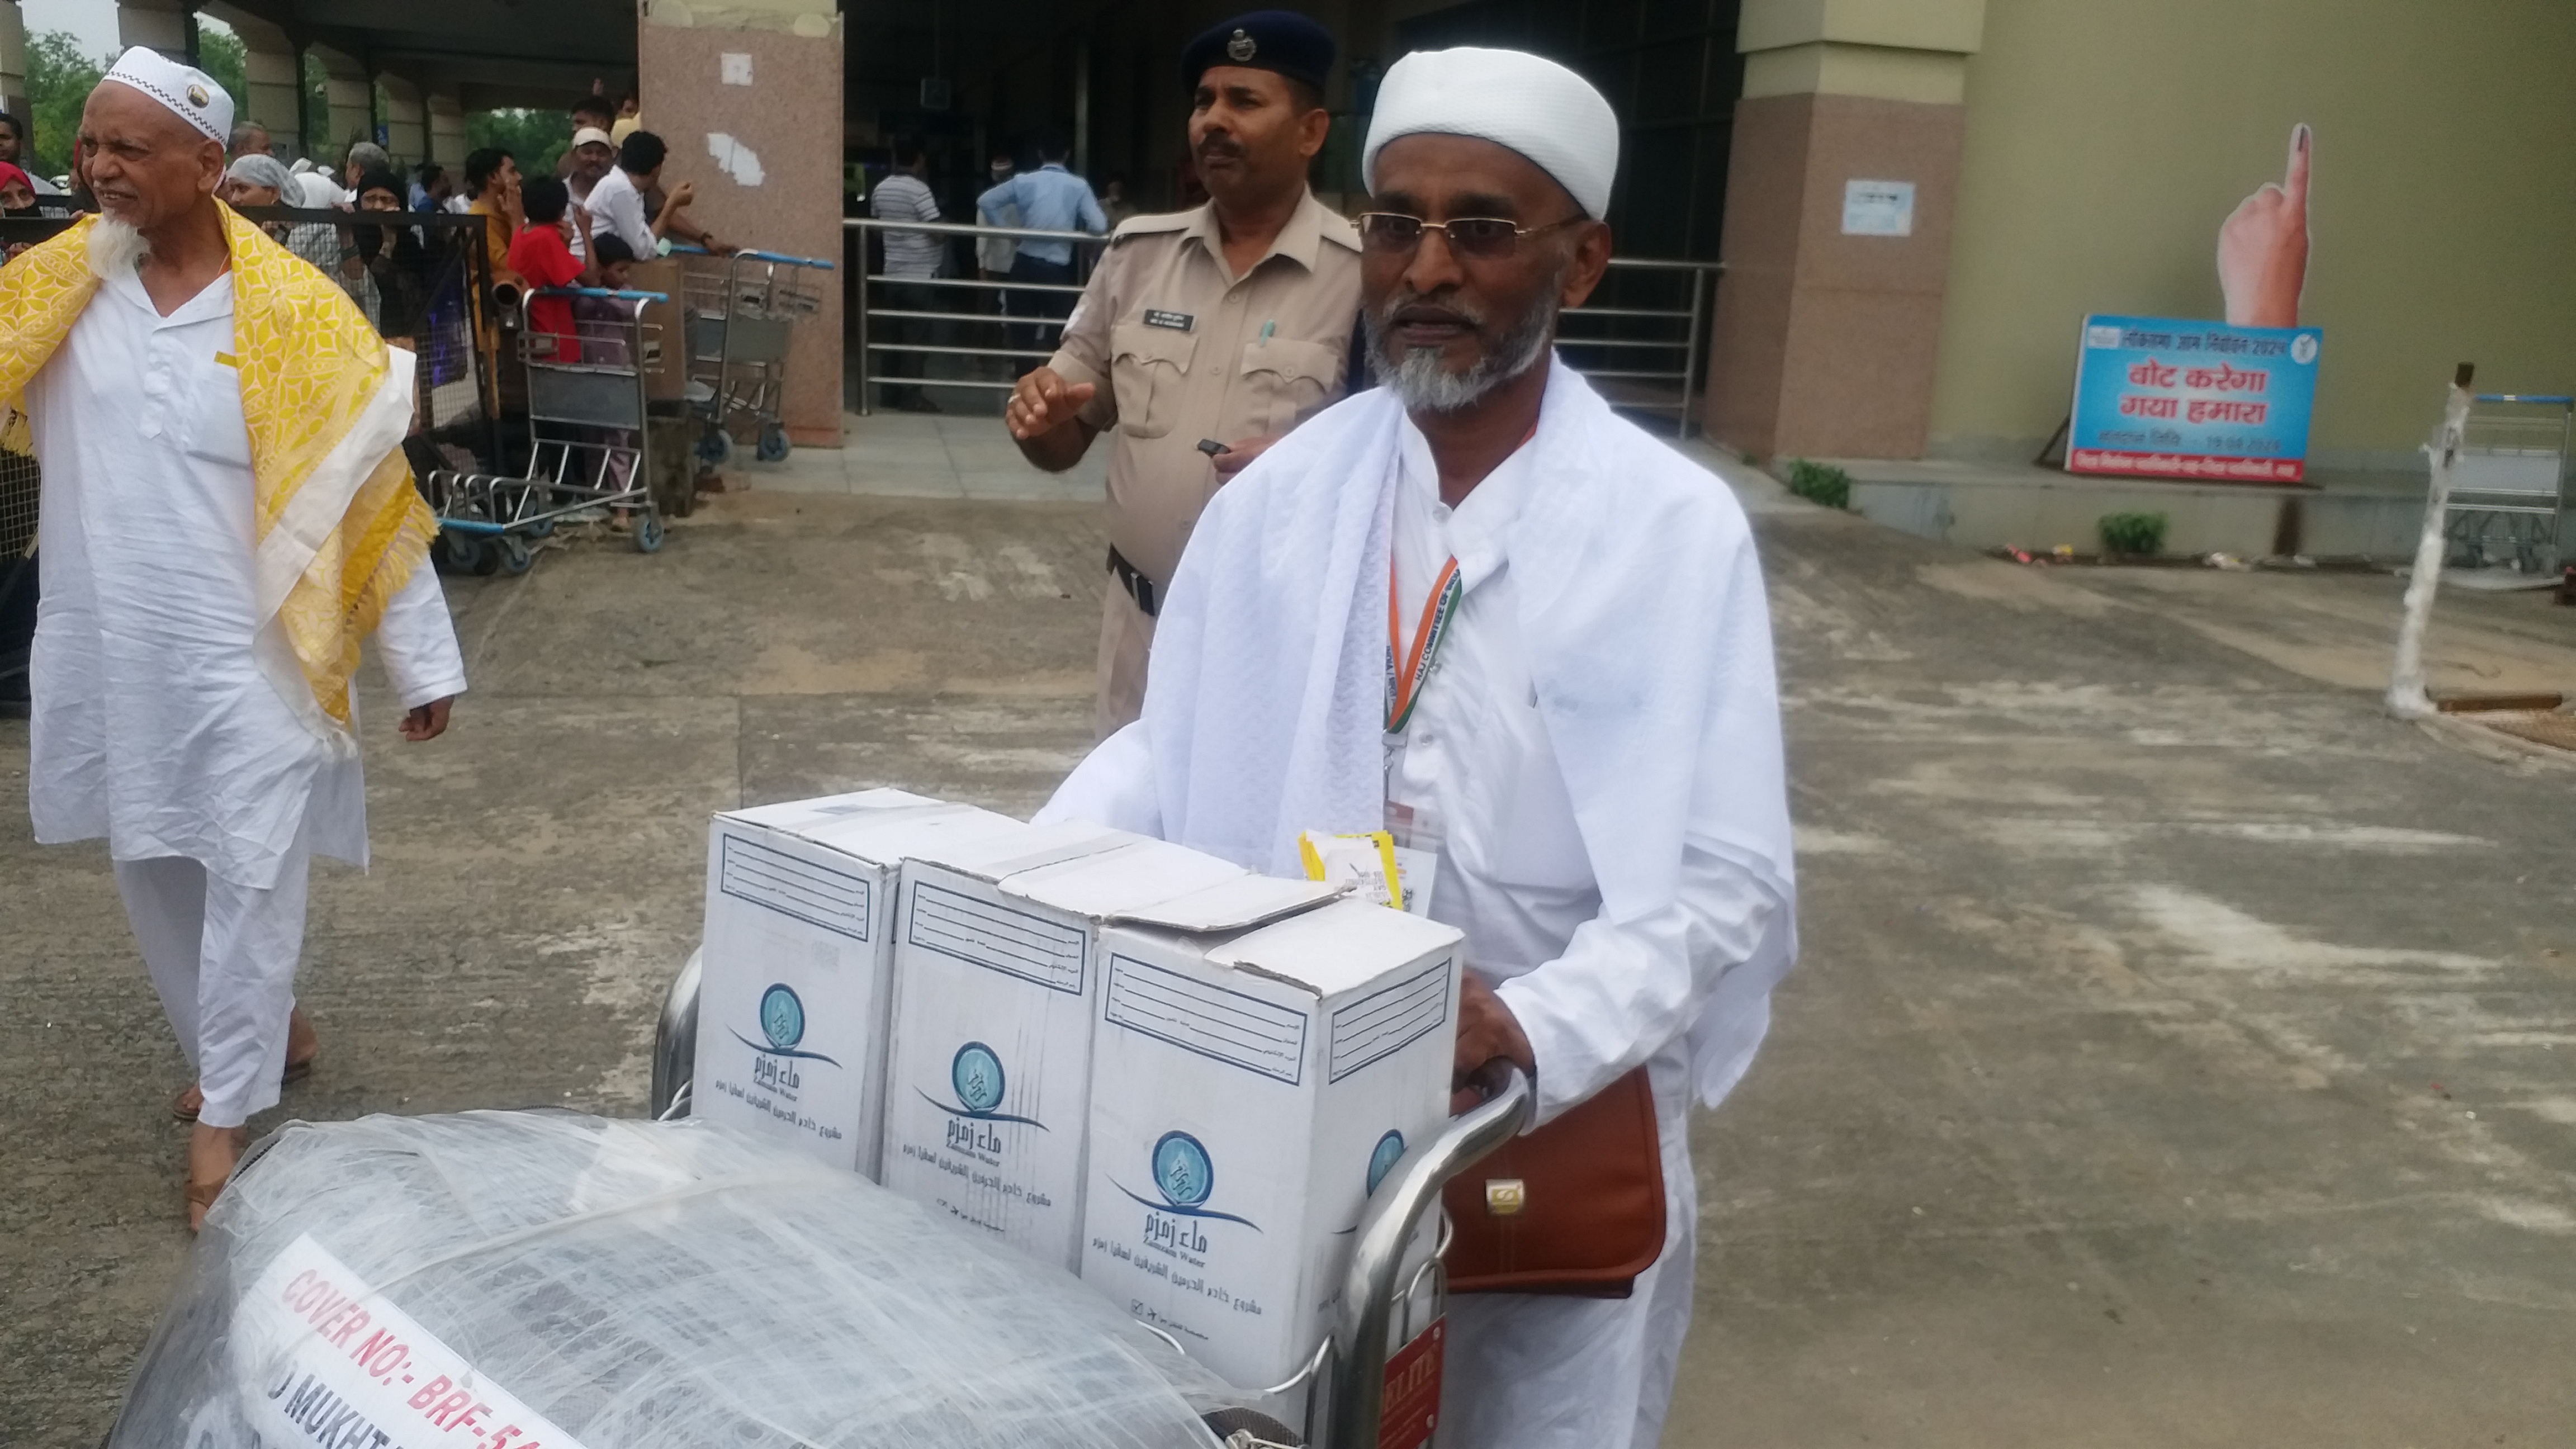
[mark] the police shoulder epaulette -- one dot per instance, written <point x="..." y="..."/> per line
<point x="1161" y="222"/>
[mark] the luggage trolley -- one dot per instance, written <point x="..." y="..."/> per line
<point x="741" y="312"/>
<point x="1373" y="1383"/>
<point x="589" y="438"/>
<point x="2508" y="488"/>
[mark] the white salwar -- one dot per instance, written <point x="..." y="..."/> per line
<point x="1598" y="751"/>
<point x="155" y="725"/>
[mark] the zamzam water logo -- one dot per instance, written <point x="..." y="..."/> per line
<point x="975" y="1075"/>
<point x="782" y="1021"/>
<point x="1186" y="1178"/>
<point x="1382" y="1158"/>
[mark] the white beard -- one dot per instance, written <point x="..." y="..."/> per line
<point x="1423" y="379"/>
<point x="115" y="248"/>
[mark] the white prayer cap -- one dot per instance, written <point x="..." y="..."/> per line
<point x="191" y="94"/>
<point x="1516" y="100"/>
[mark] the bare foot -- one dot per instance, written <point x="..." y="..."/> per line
<point x="212" y="1153"/>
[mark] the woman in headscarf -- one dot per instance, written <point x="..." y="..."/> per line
<point x="393" y="258"/>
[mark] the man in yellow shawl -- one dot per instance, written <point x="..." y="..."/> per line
<point x="226" y="515"/>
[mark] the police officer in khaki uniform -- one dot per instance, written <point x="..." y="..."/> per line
<point x="1203" y="335"/>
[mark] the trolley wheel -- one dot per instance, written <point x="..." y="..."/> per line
<point x="515" y="556"/>
<point x="1224" y="1422"/>
<point x="467" y="555"/>
<point x="716" y="446"/>
<point x="773" y="444"/>
<point x="542" y="528"/>
<point x="648" y="532"/>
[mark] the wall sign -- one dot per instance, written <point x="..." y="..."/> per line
<point x="1878" y="208"/>
<point x="2159" y="398"/>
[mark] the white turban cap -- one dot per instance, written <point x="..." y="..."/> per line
<point x="1515" y="100"/>
<point x="191" y="94"/>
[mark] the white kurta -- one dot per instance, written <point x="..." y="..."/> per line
<point x="1599" y="748"/>
<point x="154" y="725"/>
<point x="1474" y="766"/>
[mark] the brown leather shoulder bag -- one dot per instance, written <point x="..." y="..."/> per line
<point x="1576" y="1207"/>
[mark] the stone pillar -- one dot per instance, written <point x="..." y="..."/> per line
<point x="1840" y="187"/>
<point x="447" y="145"/>
<point x="272" y="78"/>
<point x="406" y="120"/>
<point x="161" y="24"/>
<point x="351" y="98"/>
<point x="13" y="64"/>
<point x="747" y="95"/>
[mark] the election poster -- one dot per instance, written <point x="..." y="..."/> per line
<point x="2160" y="398"/>
<point x="2164" y="397"/>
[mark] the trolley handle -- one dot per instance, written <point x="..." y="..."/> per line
<point x="748" y="254"/>
<point x="620" y="295"/>
<point x="1358" y="1342"/>
<point x="2560" y="399"/>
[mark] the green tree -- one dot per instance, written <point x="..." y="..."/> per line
<point x="59" y="80"/>
<point x="537" y="138"/>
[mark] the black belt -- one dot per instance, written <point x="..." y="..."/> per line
<point x="1140" y="588"/>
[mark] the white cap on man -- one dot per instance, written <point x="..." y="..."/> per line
<point x="592" y="135"/>
<point x="191" y="94"/>
<point x="1518" y="101"/>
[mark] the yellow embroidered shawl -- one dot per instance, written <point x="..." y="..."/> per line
<point x="338" y="526"/>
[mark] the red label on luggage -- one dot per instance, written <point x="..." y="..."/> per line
<point x="1412" y="1404"/>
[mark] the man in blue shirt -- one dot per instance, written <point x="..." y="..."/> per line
<point x="1049" y="199"/>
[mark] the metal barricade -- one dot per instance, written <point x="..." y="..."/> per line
<point x="1633" y="355"/>
<point x="589" y="434"/>
<point x="741" y="309"/>
<point x="872" y="313"/>
<point x="2509" y="486"/>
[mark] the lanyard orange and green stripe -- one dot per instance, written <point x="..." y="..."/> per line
<point x="1404" y="683"/>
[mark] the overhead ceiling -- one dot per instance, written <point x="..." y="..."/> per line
<point x="500" y="52"/>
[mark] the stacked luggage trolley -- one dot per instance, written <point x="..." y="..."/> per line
<point x="741" y="312"/>
<point x="589" y="438"/>
<point x="594" y="398"/>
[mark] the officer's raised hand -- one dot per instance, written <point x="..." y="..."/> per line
<point x="1045" y="415"/>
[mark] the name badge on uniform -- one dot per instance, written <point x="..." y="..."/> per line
<point x="1177" y="321"/>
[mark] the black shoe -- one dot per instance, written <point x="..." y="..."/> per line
<point x="917" y="404"/>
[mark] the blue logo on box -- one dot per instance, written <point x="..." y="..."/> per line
<point x="1390" y="1150"/>
<point x="1186" y="1177"/>
<point x="975" y="1075"/>
<point x="782" y="1020"/>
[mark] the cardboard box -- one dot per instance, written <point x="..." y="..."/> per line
<point x="1247" y="1094"/>
<point x="799" y="949"/>
<point x="997" y="977"/>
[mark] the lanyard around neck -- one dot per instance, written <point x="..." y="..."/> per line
<point x="1404" y="681"/>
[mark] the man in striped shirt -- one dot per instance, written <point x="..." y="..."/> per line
<point x="912" y="258"/>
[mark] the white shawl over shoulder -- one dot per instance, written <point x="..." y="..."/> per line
<point x="1649" y="641"/>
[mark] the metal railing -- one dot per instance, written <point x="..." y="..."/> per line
<point x="1637" y="360"/>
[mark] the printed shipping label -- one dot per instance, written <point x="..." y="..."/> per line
<point x="792" y="887"/>
<point x="1387" y="1020"/>
<point x="1229" y="1026"/>
<point x="982" y="933"/>
<point x="323" y="1360"/>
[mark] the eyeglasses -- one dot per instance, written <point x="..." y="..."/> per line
<point x="1486" y="238"/>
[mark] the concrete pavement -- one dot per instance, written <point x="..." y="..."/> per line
<point x="2102" y="1109"/>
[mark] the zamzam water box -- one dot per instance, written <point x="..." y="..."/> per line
<point x="997" y="977"/>
<point x="1248" y="1093"/>
<point x="799" y="943"/>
